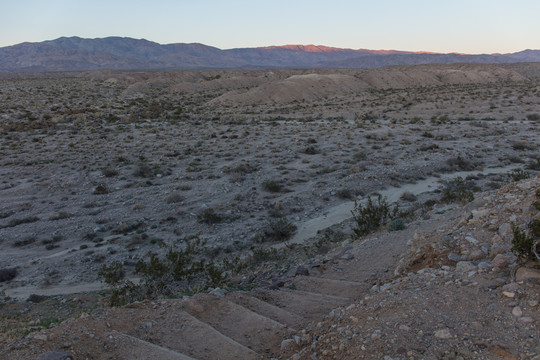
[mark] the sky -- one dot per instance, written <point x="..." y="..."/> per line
<point x="463" y="26"/>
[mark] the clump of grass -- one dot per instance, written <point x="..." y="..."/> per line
<point x="272" y="186"/>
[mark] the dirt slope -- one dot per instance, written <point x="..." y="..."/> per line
<point x="315" y="87"/>
<point x="457" y="293"/>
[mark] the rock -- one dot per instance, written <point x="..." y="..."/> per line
<point x="288" y="344"/>
<point x="465" y="266"/>
<point x="376" y="335"/>
<point x="42" y="337"/>
<point x="500" y="262"/>
<point x="505" y="231"/>
<point x="495" y="250"/>
<point x="527" y="274"/>
<point x="404" y="328"/>
<point x="443" y="334"/>
<point x="526" y="319"/>
<point x="471" y="240"/>
<point x="218" y="292"/>
<point x="476" y="255"/>
<point x="517" y="312"/>
<point x="454" y="257"/>
<point x="55" y="355"/>
<point x="509" y="294"/>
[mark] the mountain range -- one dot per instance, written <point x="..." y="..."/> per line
<point x="122" y="53"/>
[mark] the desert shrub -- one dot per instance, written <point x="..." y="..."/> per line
<point x="522" y="245"/>
<point x="25" y="241"/>
<point x="279" y="230"/>
<point x="26" y="220"/>
<point x="209" y="216"/>
<point x="457" y="190"/>
<point x="519" y="174"/>
<point x="370" y="216"/>
<point x="534" y="164"/>
<point x="7" y="274"/>
<point x="460" y="163"/>
<point x="520" y="145"/>
<point x="311" y="150"/>
<point x="396" y="225"/>
<point x="143" y="169"/>
<point x="174" y="272"/>
<point x="408" y="196"/>
<point x="533" y="117"/>
<point x="101" y="189"/>
<point x="535" y="227"/>
<point x="272" y="186"/>
<point x="346" y="194"/>
<point x="109" y="172"/>
<point x="174" y="197"/>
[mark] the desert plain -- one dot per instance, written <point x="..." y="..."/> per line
<point x="105" y="166"/>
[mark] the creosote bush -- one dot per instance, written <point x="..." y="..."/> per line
<point x="458" y="190"/>
<point x="272" y="186"/>
<point x="279" y="230"/>
<point x="370" y="216"/>
<point x="209" y="216"/>
<point x="522" y="245"/>
<point x="179" y="269"/>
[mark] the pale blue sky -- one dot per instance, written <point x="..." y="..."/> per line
<point x="468" y="26"/>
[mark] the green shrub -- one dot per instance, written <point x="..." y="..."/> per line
<point x="369" y="217"/>
<point x="535" y="227"/>
<point x="165" y="275"/>
<point x="522" y="245"/>
<point x="519" y="174"/>
<point x="396" y="225"/>
<point x="279" y="230"/>
<point x="534" y="164"/>
<point x="457" y="190"/>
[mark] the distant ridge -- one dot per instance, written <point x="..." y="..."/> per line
<point x="122" y="53"/>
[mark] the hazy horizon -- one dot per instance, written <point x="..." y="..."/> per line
<point x="482" y="27"/>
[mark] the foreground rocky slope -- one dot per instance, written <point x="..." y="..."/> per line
<point x="447" y="287"/>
